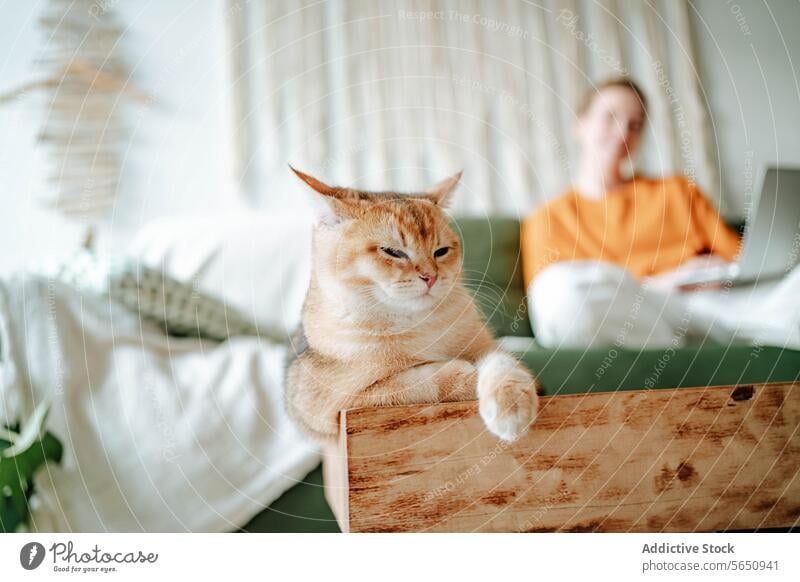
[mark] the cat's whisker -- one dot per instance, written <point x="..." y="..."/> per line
<point x="486" y="291"/>
<point x="371" y="299"/>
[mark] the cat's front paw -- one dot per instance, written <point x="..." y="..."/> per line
<point x="507" y="399"/>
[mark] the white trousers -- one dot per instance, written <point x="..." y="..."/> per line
<point x="588" y="303"/>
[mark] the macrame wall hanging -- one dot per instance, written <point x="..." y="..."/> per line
<point x="83" y="87"/>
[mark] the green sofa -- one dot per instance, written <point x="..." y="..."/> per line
<point x="492" y="272"/>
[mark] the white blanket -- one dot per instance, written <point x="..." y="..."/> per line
<point x="589" y="303"/>
<point x="159" y="434"/>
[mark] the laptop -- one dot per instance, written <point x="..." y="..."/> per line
<point x="771" y="242"/>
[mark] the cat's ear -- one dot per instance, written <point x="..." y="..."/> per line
<point x="329" y="208"/>
<point x="440" y="193"/>
<point x="315" y="184"/>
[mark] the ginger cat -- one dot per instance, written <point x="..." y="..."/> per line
<point x="387" y="321"/>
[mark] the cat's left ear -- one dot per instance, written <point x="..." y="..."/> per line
<point x="440" y="193"/>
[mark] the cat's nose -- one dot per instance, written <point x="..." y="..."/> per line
<point x="428" y="278"/>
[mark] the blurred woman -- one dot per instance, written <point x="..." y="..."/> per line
<point x="602" y="260"/>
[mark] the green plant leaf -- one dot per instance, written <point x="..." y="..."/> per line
<point x="20" y="458"/>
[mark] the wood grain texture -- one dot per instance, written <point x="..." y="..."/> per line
<point x="701" y="459"/>
<point x="334" y="476"/>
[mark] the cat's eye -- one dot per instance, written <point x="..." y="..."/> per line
<point x="395" y="253"/>
<point x="441" y="252"/>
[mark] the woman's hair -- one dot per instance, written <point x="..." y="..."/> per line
<point x="623" y="82"/>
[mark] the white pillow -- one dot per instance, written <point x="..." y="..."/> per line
<point x="258" y="263"/>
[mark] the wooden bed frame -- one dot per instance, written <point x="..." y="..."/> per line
<point x="687" y="459"/>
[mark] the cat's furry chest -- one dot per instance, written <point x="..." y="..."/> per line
<point x="397" y="343"/>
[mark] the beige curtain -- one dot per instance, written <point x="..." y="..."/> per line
<point x="398" y="94"/>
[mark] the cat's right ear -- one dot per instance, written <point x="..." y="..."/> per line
<point x="328" y="206"/>
<point x="315" y="184"/>
<point x="440" y="193"/>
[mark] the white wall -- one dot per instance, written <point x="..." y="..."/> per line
<point x="181" y="155"/>
<point x="181" y="159"/>
<point x="749" y="57"/>
<point x="26" y="230"/>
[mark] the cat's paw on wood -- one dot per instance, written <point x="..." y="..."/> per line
<point x="507" y="399"/>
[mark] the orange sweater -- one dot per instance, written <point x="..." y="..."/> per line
<point x="646" y="226"/>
